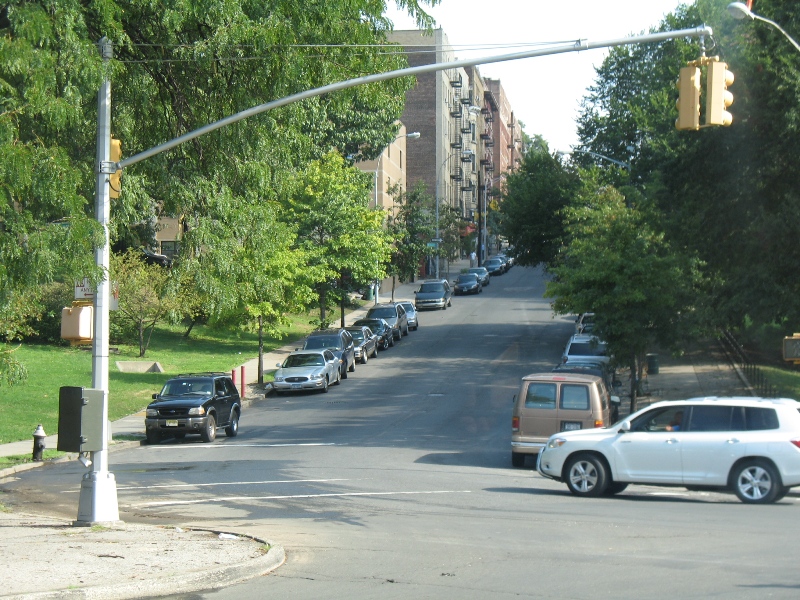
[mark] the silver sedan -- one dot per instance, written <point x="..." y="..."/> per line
<point x="307" y="370"/>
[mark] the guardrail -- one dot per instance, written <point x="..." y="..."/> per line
<point x="748" y="369"/>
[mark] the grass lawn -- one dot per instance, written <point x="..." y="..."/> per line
<point x="35" y="401"/>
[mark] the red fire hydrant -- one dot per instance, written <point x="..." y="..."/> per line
<point x="38" y="443"/>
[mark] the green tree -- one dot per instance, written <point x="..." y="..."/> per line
<point x="531" y="210"/>
<point x="336" y="230"/>
<point x="617" y="265"/>
<point x="411" y="229"/>
<point x="145" y="295"/>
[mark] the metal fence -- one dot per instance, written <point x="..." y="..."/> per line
<point x="754" y="375"/>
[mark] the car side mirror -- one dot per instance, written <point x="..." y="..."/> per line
<point x="625" y="427"/>
<point x="278" y="365"/>
<point x="155" y="396"/>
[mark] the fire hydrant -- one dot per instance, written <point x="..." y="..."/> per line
<point x="38" y="442"/>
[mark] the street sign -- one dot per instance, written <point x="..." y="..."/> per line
<point x="437" y="240"/>
<point x="84" y="290"/>
<point x="432" y="244"/>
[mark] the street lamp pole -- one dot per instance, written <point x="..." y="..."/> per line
<point x="624" y="165"/>
<point x="740" y="10"/>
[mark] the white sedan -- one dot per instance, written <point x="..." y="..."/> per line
<point x="748" y="445"/>
<point x="307" y="370"/>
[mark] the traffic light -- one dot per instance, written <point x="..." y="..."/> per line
<point x="718" y="98"/>
<point x="688" y="103"/>
<point x="114" y="184"/>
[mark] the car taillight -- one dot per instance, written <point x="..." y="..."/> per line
<point x="514" y="423"/>
<point x="598" y="423"/>
<point x="796" y="443"/>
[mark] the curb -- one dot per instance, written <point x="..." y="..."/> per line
<point x="183" y="583"/>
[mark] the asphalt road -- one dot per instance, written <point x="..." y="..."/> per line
<point x="398" y="484"/>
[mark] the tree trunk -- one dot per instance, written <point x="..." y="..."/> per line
<point x="191" y="326"/>
<point x="141" y="339"/>
<point x="322" y="302"/>
<point x="634" y="383"/>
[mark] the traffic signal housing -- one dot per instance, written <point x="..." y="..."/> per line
<point x="689" y="99"/>
<point x="114" y="183"/>
<point x="718" y="98"/>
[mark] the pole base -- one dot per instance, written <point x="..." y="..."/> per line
<point x="98" y="499"/>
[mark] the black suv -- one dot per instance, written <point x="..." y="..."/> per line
<point x="194" y="403"/>
<point x="338" y="341"/>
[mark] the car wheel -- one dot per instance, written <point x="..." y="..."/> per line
<point x="444" y="306"/>
<point x="324" y="388"/>
<point x="364" y="358"/>
<point x="153" y="437"/>
<point x="343" y="373"/>
<point x="232" y="430"/>
<point x="586" y="476"/>
<point x="391" y="340"/>
<point x="375" y="351"/>
<point x="782" y="493"/>
<point x="756" y="482"/>
<point x="405" y="331"/>
<point x="517" y="459"/>
<point x="209" y="432"/>
<point x="352" y="368"/>
<point x="615" y="487"/>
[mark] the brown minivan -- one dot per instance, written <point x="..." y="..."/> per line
<point x="548" y="403"/>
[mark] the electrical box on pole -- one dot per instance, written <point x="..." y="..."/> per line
<point x="80" y="419"/>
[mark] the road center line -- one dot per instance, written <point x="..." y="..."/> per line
<point x="192" y="485"/>
<point x="296" y="496"/>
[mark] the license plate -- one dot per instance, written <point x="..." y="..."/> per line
<point x="570" y="426"/>
<point x="296" y="386"/>
<point x="172" y="423"/>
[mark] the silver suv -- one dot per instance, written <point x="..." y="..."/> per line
<point x="394" y="314"/>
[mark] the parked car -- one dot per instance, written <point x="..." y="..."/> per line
<point x="494" y="266"/>
<point x="411" y="314"/>
<point x="585" y="347"/>
<point x="483" y="275"/>
<point x="153" y="258"/>
<point x="467" y="283"/>
<point x="548" y="403"/>
<point x="365" y="342"/>
<point x="194" y="403"/>
<point x="394" y="314"/>
<point x="433" y="293"/>
<point x="508" y="262"/>
<point x="305" y="370"/>
<point x="380" y="328"/>
<point x="338" y="341"/>
<point x="750" y="446"/>
<point x="584" y="323"/>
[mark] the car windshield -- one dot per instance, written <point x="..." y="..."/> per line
<point x="466" y="278"/>
<point x="408" y="306"/>
<point x="587" y="349"/>
<point x="322" y="341"/>
<point x="357" y="334"/>
<point x="477" y="270"/>
<point x="186" y="387"/>
<point x="428" y="288"/>
<point x="494" y="261"/>
<point x="386" y="312"/>
<point x="373" y="324"/>
<point x="303" y="360"/>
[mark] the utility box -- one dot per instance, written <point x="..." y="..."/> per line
<point x="791" y="348"/>
<point x="80" y="419"/>
<point x="77" y="323"/>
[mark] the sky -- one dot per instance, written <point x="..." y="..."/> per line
<point x="545" y="92"/>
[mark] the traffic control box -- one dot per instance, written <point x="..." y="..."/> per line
<point x="80" y="419"/>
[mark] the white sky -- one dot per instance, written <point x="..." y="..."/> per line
<point x="544" y="92"/>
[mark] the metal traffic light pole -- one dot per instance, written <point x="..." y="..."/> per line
<point x="98" y="499"/>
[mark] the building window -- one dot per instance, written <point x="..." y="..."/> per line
<point x="170" y="249"/>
